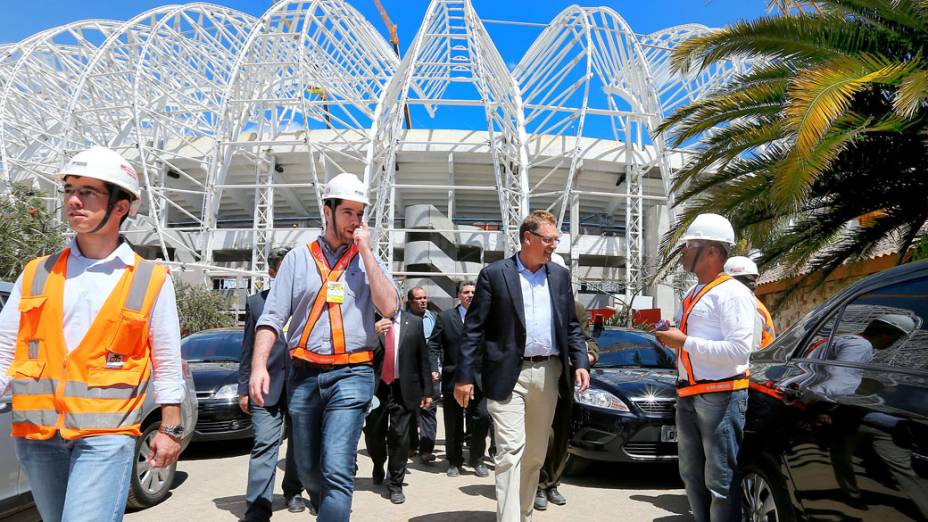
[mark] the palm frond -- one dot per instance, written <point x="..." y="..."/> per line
<point x="912" y="94"/>
<point x="818" y="38"/>
<point x="820" y="95"/>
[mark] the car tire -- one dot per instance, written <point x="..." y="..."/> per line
<point x="147" y="485"/>
<point x="764" y="497"/>
<point x="575" y="465"/>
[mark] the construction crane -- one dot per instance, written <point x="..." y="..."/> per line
<point x="395" y="42"/>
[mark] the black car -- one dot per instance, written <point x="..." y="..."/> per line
<point x="213" y="356"/>
<point x="837" y="421"/>
<point x="627" y="414"/>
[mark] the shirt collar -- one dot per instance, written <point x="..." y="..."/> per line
<point x="325" y="246"/>
<point x="123" y="254"/>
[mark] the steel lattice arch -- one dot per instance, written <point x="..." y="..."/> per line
<point x="235" y="123"/>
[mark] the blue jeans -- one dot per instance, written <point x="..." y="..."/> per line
<point x="81" y="479"/>
<point x="327" y="410"/>
<point x="710" y="428"/>
<point x="268" y="423"/>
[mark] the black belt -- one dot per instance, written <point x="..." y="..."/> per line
<point x="539" y="358"/>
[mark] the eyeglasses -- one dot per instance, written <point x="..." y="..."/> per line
<point x="547" y="240"/>
<point x="85" y="193"/>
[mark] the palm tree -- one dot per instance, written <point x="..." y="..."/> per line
<point x="818" y="153"/>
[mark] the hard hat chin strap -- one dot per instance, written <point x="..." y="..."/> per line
<point x="110" y="205"/>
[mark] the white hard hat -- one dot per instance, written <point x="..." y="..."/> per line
<point x="740" y="266"/>
<point x="346" y="186"/>
<point x="108" y="166"/>
<point x="558" y="259"/>
<point x="902" y="323"/>
<point x="710" y="227"/>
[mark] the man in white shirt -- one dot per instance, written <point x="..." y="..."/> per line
<point x="81" y="334"/>
<point x="713" y="340"/>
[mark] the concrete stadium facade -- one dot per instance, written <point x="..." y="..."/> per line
<point x="236" y="122"/>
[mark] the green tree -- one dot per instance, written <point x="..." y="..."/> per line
<point x="28" y="230"/>
<point x="200" y="308"/>
<point x="817" y="153"/>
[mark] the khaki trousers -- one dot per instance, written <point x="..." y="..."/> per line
<point x="523" y="424"/>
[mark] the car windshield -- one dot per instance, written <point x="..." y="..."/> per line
<point x="622" y="348"/>
<point x="212" y="346"/>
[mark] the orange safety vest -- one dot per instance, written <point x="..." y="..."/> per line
<point x="769" y="333"/>
<point x="100" y="386"/>
<point x="693" y="386"/>
<point x="329" y="275"/>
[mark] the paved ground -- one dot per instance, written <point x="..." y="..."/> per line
<point x="211" y="479"/>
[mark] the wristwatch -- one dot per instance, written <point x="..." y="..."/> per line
<point x="174" y="431"/>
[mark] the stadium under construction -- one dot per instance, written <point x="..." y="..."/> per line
<point x="235" y="123"/>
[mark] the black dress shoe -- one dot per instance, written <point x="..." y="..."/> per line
<point x="427" y="459"/>
<point x="397" y="497"/>
<point x="541" y="501"/>
<point x="454" y="471"/>
<point x="296" y="504"/>
<point x="555" y="497"/>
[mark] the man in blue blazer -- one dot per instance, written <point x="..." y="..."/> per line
<point x="522" y="332"/>
<point x="268" y="421"/>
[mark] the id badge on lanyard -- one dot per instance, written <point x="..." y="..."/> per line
<point x="335" y="292"/>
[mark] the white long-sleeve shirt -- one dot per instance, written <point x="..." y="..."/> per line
<point x="86" y="288"/>
<point x="720" y="331"/>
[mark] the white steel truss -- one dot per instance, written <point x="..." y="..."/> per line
<point x="452" y="62"/>
<point x="228" y="116"/>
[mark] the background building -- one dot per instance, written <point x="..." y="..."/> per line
<point x="235" y="123"/>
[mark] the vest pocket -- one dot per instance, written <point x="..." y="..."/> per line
<point x="31" y="310"/>
<point x="130" y="332"/>
<point x="27" y="368"/>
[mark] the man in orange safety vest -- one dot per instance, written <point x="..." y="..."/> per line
<point x="745" y="270"/>
<point x="87" y="333"/>
<point x="714" y="338"/>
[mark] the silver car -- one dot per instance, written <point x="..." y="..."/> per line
<point x="149" y="485"/>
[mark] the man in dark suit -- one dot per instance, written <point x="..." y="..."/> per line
<point x="403" y="383"/>
<point x="269" y="419"/>
<point x="522" y="331"/>
<point x="444" y="348"/>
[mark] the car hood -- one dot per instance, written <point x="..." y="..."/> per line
<point x="209" y="376"/>
<point x="635" y="382"/>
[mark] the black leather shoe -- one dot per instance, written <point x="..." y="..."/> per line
<point x="541" y="501"/>
<point x="555" y="497"/>
<point x="397" y="497"/>
<point x="481" y="470"/>
<point x="296" y="504"/>
<point x="427" y="459"/>
<point x="453" y="471"/>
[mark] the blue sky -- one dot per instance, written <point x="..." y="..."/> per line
<point x="20" y="19"/>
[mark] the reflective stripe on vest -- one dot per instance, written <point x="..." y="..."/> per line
<point x="768" y="334"/>
<point x="100" y="386"/>
<point x="694" y="386"/>
<point x="326" y="275"/>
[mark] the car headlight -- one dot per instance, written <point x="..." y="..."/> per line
<point x="601" y="399"/>
<point x="227" y="391"/>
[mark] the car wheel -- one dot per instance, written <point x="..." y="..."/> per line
<point x="148" y="485"/>
<point x="763" y="495"/>
<point x="575" y="465"/>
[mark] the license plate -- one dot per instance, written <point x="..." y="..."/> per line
<point x="668" y="434"/>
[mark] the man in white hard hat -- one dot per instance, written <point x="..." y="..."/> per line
<point x="745" y="270"/>
<point x="81" y="334"/>
<point x="713" y="340"/>
<point x="332" y="289"/>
